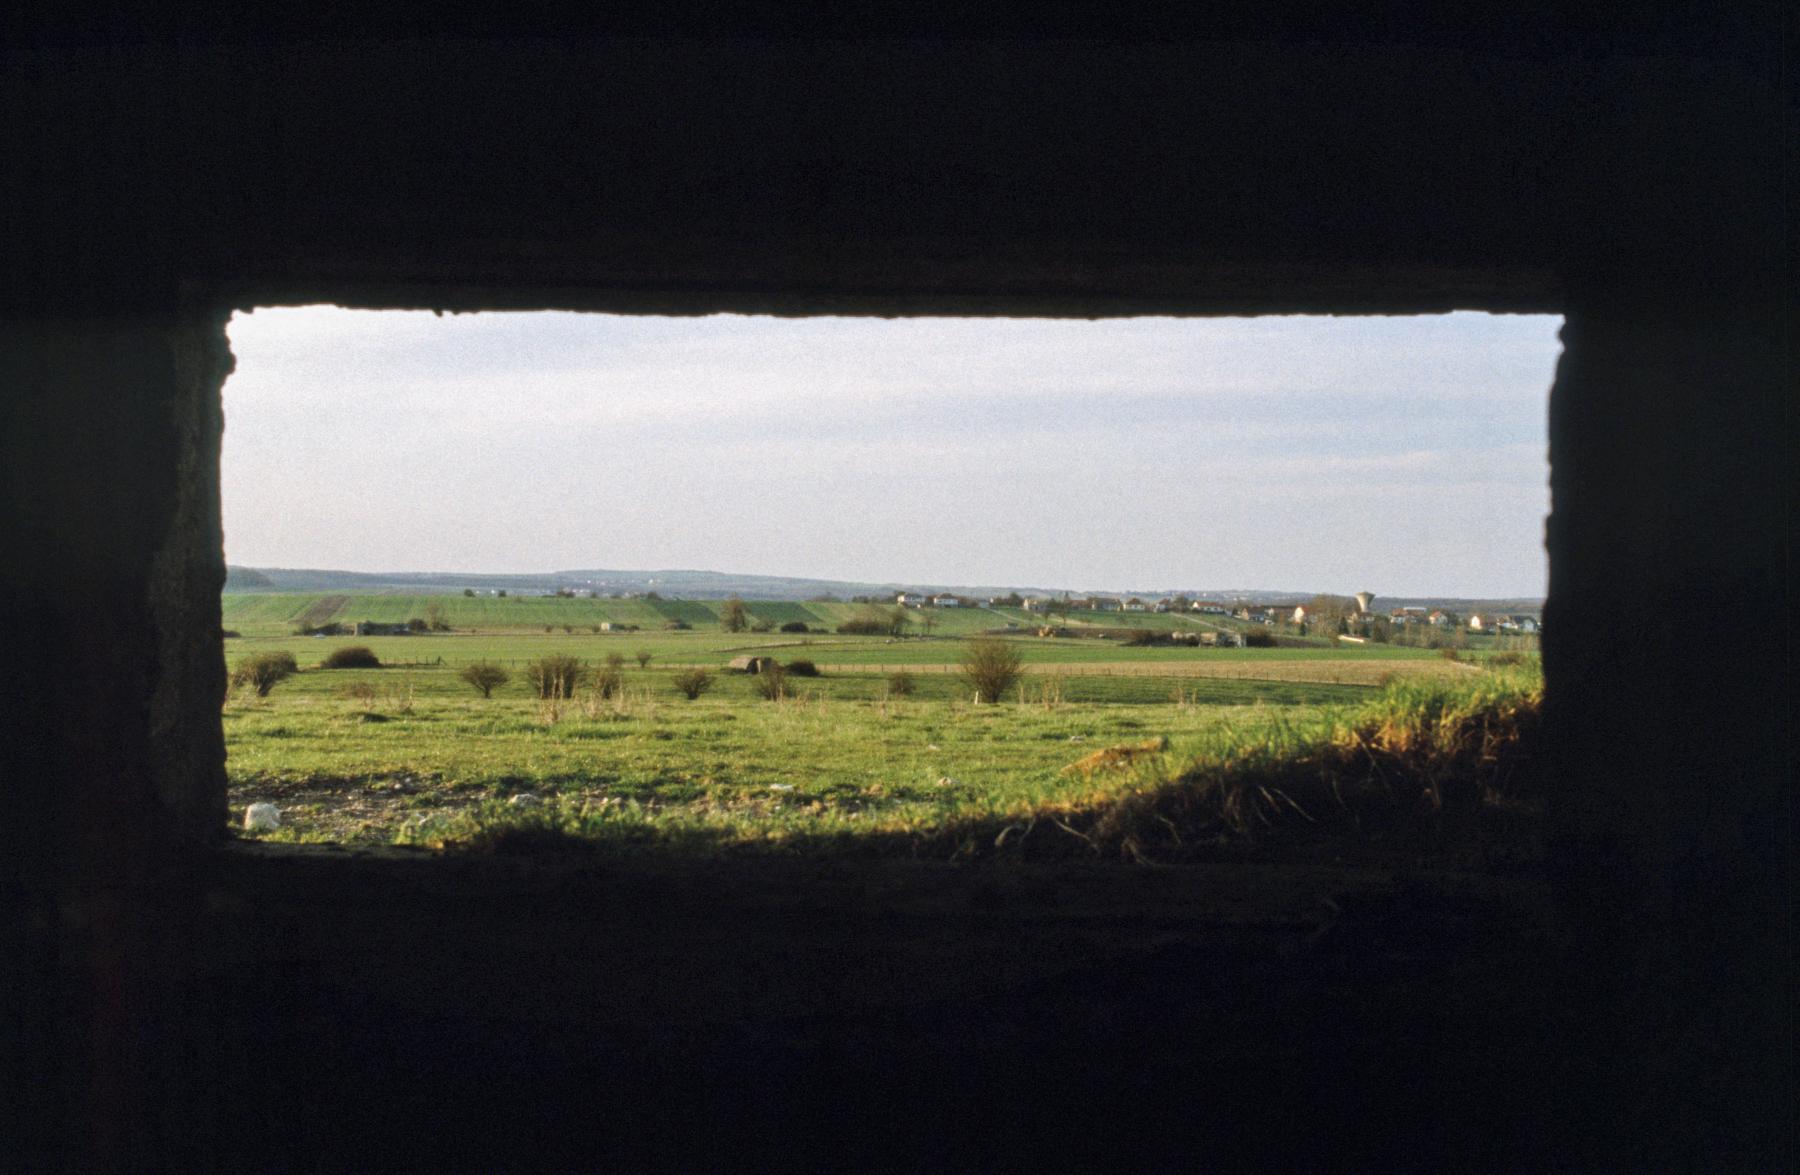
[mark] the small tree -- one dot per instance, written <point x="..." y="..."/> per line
<point x="262" y="671"/>
<point x="802" y="668"/>
<point x="693" y="682"/>
<point x="434" y="617"/>
<point x="992" y="666"/>
<point x="643" y="658"/>
<point x="897" y="621"/>
<point x="485" y="677"/>
<point x="468" y="593"/>
<point x="733" y="617"/>
<point x="555" y="676"/>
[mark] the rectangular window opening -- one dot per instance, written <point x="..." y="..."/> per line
<point x="963" y="587"/>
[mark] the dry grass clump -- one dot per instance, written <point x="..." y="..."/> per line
<point x="1430" y="763"/>
<point x="1429" y="757"/>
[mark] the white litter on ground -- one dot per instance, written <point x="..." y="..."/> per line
<point x="262" y="818"/>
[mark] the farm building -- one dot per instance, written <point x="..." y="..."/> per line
<point x="946" y="601"/>
<point x="749" y="664"/>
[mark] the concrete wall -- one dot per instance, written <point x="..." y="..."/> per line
<point x="1370" y="160"/>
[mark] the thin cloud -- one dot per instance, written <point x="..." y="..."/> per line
<point x="977" y="450"/>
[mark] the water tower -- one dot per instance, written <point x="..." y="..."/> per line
<point x="1363" y="600"/>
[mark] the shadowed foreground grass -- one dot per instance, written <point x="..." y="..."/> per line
<point x="1431" y="764"/>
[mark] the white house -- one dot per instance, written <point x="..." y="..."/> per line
<point x="1134" y="605"/>
<point x="1103" y="604"/>
<point x="946" y="601"/>
<point x="1300" y="614"/>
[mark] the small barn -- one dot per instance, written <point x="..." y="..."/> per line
<point x="748" y="664"/>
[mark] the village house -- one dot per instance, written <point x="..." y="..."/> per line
<point x="911" y="599"/>
<point x="946" y="601"/>
<point x="1300" y="614"/>
<point x="1035" y="604"/>
<point x="1211" y="607"/>
<point x="1134" y="605"/>
<point x="1103" y="604"/>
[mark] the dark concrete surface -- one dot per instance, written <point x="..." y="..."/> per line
<point x="162" y="164"/>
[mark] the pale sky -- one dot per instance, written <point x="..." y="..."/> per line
<point x="1404" y="456"/>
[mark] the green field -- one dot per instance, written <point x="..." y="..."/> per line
<point x="408" y="752"/>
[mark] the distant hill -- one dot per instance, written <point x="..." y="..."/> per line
<point x="247" y="579"/>
<point x="715" y="585"/>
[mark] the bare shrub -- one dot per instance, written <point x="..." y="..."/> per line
<point x="643" y="658"/>
<point x="691" y="683"/>
<point x="992" y="666"/>
<point x="608" y="680"/>
<point x="555" y="675"/>
<point x="901" y="684"/>
<point x="771" y="683"/>
<point x="351" y="657"/>
<point x="263" y="671"/>
<point x="485" y="676"/>
<point x="362" y="692"/>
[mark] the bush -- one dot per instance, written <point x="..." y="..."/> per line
<point x="643" y="658"/>
<point x="901" y="684"/>
<point x="417" y="624"/>
<point x="771" y="683"/>
<point x="864" y="626"/>
<point x="677" y="624"/>
<point x="795" y="626"/>
<point x="485" y="677"/>
<point x="608" y="681"/>
<point x="351" y="657"/>
<point x="262" y="671"/>
<point x="555" y="676"/>
<point x="1259" y="638"/>
<point x="693" y="682"/>
<point x="803" y="668"/>
<point x="992" y="666"/>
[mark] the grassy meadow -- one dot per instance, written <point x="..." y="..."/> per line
<point x="410" y="754"/>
